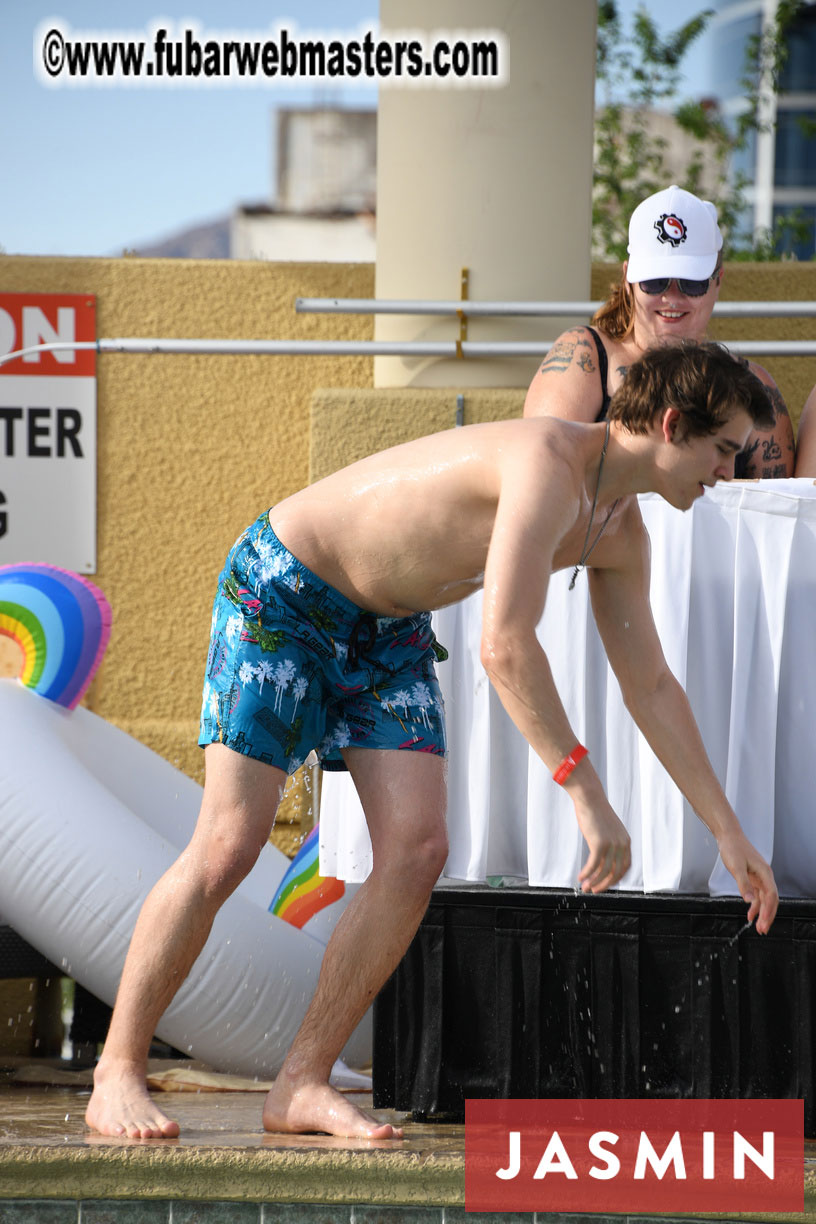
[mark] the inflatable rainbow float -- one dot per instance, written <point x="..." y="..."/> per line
<point x="62" y="624"/>
<point x="89" y="820"/>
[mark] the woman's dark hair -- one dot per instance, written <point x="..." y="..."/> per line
<point x="702" y="380"/>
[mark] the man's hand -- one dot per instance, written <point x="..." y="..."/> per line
<point x="610" y="853"/>
<point x="753" y="877"/>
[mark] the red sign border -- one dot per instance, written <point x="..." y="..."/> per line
<point x="47" y="365"/>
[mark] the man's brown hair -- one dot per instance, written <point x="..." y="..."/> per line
<point x="702" y="380"/>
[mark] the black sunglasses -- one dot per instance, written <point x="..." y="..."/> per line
<point x="691" y="288"/>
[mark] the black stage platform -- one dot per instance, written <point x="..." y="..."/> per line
<point x="522" y="992"/>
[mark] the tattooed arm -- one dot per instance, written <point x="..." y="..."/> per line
<point x="568" y="383"/>
<point x="769" y="452"/>
<point x="806" y="439"/>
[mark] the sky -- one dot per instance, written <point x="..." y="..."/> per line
<point x="94" y="171"/>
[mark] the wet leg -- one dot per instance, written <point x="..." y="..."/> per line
<point x="238" y="809"/>
<point x="403" y="796"/>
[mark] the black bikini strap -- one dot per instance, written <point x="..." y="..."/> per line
<point x="603" y="370"/>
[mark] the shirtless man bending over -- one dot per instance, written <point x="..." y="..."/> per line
<point x="340" y="579"/>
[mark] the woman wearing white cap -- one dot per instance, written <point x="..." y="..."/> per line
<point x="667" y="291"/>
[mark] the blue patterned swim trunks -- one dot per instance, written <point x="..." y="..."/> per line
<point x="294" y="666"/>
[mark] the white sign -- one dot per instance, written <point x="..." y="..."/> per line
<point x="48" y="432"/>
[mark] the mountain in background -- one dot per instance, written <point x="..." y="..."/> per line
<point x="210" y="240"/>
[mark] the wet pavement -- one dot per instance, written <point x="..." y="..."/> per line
<point x="222" y="1153"/>
<point x="224" y="1160"/>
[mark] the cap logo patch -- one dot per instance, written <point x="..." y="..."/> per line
<point x="670" y="229"/>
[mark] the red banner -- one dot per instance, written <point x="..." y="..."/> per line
<point x="30" y="319"/>
<point x="634" y="1155"/>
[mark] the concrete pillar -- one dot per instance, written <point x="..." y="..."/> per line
<point x="496" y="180"/>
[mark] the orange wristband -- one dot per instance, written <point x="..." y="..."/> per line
<point x="568" y="764"/>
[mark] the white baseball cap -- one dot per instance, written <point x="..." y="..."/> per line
<point x="673" y="233"/>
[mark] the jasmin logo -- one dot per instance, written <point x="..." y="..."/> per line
<point x="642" y="1155"/>
<point x="670" y="1163"/>
<point x="670" y="229"/>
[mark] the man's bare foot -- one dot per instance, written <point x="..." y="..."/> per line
<point x="319" y="1107"/>
<point x="121" y="1106"/>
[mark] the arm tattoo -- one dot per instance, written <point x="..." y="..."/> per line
<point x="781" y="410"/>
<point x="561" y="354"/>
<point x="770" y="454"/>
<point x="777" y="402"/>
<point x="763" y="458"/>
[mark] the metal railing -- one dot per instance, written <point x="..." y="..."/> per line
<point x="457" y="349"/>
<point x="465" y="306"/>
<point x="370" y="348"/>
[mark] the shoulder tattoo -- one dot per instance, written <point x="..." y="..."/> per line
<point x="783" y="436"/>
<point x="750" y="450"/>
<point x="562" y="353"/>
<point x="777" y="402"/>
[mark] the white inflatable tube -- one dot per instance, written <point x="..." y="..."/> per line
<point x="89" y="820"/>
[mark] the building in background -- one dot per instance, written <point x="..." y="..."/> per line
<point x="322" y="203"/>
<point x="324" y="194"/>
<point x="780" y="162"/>
<point x="262" y="231"/>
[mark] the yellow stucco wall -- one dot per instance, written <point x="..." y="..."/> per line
<point x="191" y="449"/>
<point x="350" y="423"/>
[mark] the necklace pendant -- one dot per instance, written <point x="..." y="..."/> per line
<point x="575" y="574"/>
